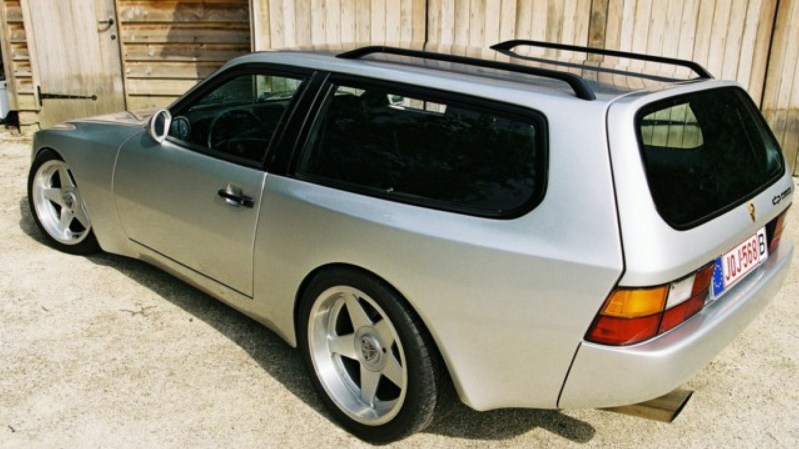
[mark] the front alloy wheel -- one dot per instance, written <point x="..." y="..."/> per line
<point x="58" y="207"/>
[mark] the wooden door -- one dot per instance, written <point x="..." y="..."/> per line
<point x="76" y="57"/>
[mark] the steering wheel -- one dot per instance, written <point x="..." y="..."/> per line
<point x="229" y="124"/>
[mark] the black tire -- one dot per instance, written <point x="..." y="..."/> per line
<point x="84" y="241"/>
<point x="424" y="368"/>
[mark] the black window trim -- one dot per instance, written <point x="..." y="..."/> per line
<point x="678" y="99"/>
<point x="333" y="79"/>
<point x="220" y="77"/>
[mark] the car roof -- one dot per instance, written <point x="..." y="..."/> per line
<point x="606" y="77"/>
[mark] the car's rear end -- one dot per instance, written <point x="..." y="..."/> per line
<point x="702" y="192"/>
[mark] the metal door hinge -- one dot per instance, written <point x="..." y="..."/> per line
<point x="43" y="96"/>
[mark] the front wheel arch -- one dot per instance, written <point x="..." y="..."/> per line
<point x="50" y="173"/>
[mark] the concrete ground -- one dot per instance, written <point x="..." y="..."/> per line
<point x="107" y="352"/>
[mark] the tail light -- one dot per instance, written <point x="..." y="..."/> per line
<point x="774" y="231"/>
<point x="632" y="315"/>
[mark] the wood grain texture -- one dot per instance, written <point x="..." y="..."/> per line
<point x="164" y="11"/>
<point x="179" y="42"/>
<point x="168" y="46"/>
<point x="285" y="24"/>
<point x="781" y="93"/>
<point x="72" y="54"/>
<point x="16" y="57"/>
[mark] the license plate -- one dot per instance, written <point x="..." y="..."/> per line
<point x="738" y="262"/>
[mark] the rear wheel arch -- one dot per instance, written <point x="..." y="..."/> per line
<point x="446" y="393"/>
<point x="360" y="271"/>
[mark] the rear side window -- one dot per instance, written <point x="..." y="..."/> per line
<point x="437" y="151"/>
<point x="704" y="153"/>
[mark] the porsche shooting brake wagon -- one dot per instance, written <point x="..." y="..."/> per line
<point x="533" y="235"/>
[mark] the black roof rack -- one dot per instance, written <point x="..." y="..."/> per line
<point x="508" y="46"/>
<point x="578" y="85"/>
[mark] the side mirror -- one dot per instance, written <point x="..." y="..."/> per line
<point x="158" y="126"/>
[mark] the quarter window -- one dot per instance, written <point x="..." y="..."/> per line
<point x="437" y="151"/>
<point x="238" y="118"/>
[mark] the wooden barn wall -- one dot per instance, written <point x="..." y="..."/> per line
<point x="781" y="94"/>
<point x="168" y="46"/>
<point x="481" y="23"/>
<point x="297" y="23"/>
<point x="728" y="37"/>
<point x="17" y="64"/>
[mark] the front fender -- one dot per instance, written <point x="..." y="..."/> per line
<point x="90" y="149"/>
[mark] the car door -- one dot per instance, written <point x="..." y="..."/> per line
<point x="195" y="198"/>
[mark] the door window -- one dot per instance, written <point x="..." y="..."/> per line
<point x="236" y="120"/>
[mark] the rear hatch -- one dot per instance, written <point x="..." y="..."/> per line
<point x="702" y="188"/>
<point x="705" y="153"/>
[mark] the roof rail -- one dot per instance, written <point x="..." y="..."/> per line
<point x="579" y="86"/>
<point x="508" y="46"/>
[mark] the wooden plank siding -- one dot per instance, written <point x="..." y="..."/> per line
<point x="278" y="24"/>
<point x="17" y="65"/>
<point x="730" y="38"/>
<point x="781" y="93"/>
<point x="168" y="46"/>
<point x="481" y="23"/>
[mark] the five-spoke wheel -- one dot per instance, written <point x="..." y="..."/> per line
<point x="57" y="205"/>
<point x="357" y="355"/>
<point x="373" y="362"/>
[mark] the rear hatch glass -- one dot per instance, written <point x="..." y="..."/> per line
<point x="704" y="153"/>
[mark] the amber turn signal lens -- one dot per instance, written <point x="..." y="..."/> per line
<point x="633" y="303"/>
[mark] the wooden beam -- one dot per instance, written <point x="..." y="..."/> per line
<point x="186" y="33"/>
<point x="172" y="52"/>
<point x="260" y="27"/>
<point x="148" y="102"/>
<point x="182" y="11"/>
<point x="8" y="61"/>
<point x="169" y="70"/>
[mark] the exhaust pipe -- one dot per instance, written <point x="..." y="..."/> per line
<point x="664" y="409"/>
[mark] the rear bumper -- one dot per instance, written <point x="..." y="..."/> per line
<point x="604" y="376"/>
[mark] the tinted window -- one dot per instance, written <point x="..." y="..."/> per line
<point x="705" y="152"/>
<point x="428" y="150"/>
<point x="237" y="118"/>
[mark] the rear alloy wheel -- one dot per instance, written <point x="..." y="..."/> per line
<point x="373" y="363"/>
<point x="58" y="207"/>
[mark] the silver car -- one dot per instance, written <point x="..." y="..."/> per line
<point x="415" y="221"/>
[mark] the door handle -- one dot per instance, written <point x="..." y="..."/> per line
<point x="107" y="24"/>
<point x="235" y="198"/>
